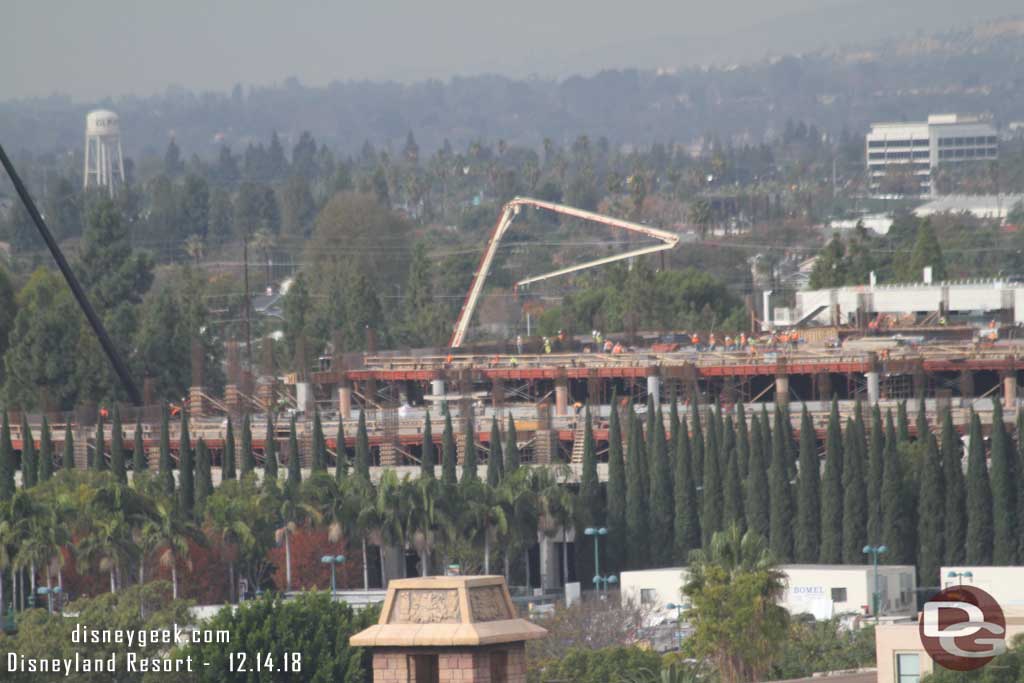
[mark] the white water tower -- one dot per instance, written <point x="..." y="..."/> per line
<point x="104" y="164"/>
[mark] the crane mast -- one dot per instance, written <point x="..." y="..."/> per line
<point x="509" y="211"/>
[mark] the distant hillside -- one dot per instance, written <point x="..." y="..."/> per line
<point x="975" y="69"/>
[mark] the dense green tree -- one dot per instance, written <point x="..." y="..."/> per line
<point x="319" y="444"/>
<point x="930" y="516"/>
<point x="29" y="466"/>
<point x="227" y="466"/>
<point x="808" y="505"/>
<point x="186" y="469"/>
<point x="831" y="551"/>
<point x="1019" y="471"/>
<point x="449" y="452"/>
<point x="589" y="506"/>
<point x="955" y="489"/>
<point x="139" y="464"/>
<point x="712" y="495"/>
<point x="697" y="444"/>
<point x="902" y="422"/>
<point x="732" y="492"/>
<point x="166" y="474"/>
<point x="926" y="252"/>
<point x="362" y="448"/>
<point x="830" y="267"/>
<point x="341" y="459"/>
<point x="469" y="458"/>
<point x="248" y="460"/>
<point x="45" y="457"/>
<point x="1004" y="491"/>
<point x="494" y="464"/>
<point x="897" y="515"/>
<point x="270" y="464"/>
<point x="117" y="463"/>
<point x="617" y="497"/>
<point x="687" y="521"/>
<point x="742" y="440"/>
<point x="7" y="465"/>
<point x="780" y="535"/>
<point x="979" y="499"/>
<point x="637" y="491"/>
<point x="8" y="312"/>
<point x="512" y="457"/>
<point x="855" y="503"/>
<point x="427" y="459"/>
<point x="204" y="476"/>
<point x="294" y="457"/>
<point x="757" y="504"/>
<point x="68" y="455"/>
<point x="99" y="458"/>
<point x="875" y="477"/>
<point x="662" y="510"/>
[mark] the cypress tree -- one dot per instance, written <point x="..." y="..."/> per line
<point x="673" y="432"/>
<point x="341" y="451"/>
<point x="732" y="492"/>
<point x="227" y="466"/>
<point x="469" y="460"/>
<point x="855" y="503"/>
<point x="876" y="475"/>
<point x="697" y="444"/>
<point x="204" y="475"/>
<point x="294" y="457"/>
<point x="494" y="459"/>
<point x="662" y="510"/>
<point x="186" y="469"/>
<point x="902" y="422"/>
<point x="1019" y="470"/>
<point x="1004" y="492"/>
<point x="742" y="440"/>
<point x="768" y="438"/>
<point x="139" y="464"/>
<point x="831" y="551"/>
<point x="319" y="463"/>
<point x="930" y="516"/>
<point x="757" y="505"/>
<point x="955" y="488"/>
<point x="780" y="533"/>
<point x="616" y="508"/>
<point x="117" y="465"/>
<point x="165" y="475"/>
<point x="99" y="458"/>
<point x="921" y="425"/>
<point x="637" y="529"/>
<point x="6" y="461"/>
<point x="427" y="452"/>
<point x="248" y="459"/>
<point x="29" y="466"/>
<point x="712" y="503"/>
<point x="511" y="454"/>
<point x="979" y="500"/>
<point x="45" y="452"/>
<point x="448" y="451"/>
<point x="808" y="503"/>
<point x="728" y="443"/>
<point x="362" y="448"/>
<point x="68" y="460"/>
<point x="270" y="454"/>
<point x="588" y="504"/>
<point x="687" y="521"/>
<point x="896" y="513"/>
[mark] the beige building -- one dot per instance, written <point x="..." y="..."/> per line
<point x="824" y="590"/>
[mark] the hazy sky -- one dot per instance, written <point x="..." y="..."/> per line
<point x="105" y="47"/>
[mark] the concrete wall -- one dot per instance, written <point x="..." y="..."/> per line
<point x="1005" y="584"/>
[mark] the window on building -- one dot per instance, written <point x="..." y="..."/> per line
<point x="648" y="596"/>
<point x="908" y="667"/>
<point x="499" y="667"/>
<point x="838" y="595"/>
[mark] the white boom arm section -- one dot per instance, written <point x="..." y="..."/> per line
<point x="508" y="213"/>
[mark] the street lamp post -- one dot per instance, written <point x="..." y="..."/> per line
<point x="875" y="551"/>
<point x="333" y="560"/>
<point x="679" y="608"/>
<point x="49" y="593"/>
<point x="958" y="577"/>
<point x="600" y="582"/>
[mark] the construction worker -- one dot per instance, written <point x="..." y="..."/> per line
<point x="608" y="346"/>
<point x="547" y="345"/>
<point x="728" y="343"/>
<point x="695" y="340"/>
<point x="711" y="342"/>
<point x="617" y="348"/>
<point x="743" y="340"/>
<point x="513" y="361"/>
<point x="519" y="344"/>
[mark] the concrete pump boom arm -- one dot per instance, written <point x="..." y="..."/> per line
<point x="508" y="213"/>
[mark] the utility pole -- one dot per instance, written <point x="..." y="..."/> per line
<point x="248" y="301"/>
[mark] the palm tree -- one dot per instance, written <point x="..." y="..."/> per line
<point x="557" y="507"/>
<point x="194" y="248"/>
<point x="482" y="515"/>
<point x="520" y="503"/>
<point x="368" y="522"/>
<point x="168" y="533"/>
<point x="226" y="519"/>
<point x="336" y="509"/>
<point x="112" y="513"/>
<point x="292" y="512"/>
<point x="40" y="535"/>
<point x="390" y="511"/>
<point x="426" y="517"/>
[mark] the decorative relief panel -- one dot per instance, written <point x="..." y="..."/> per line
<point x="440" y="606"/>
<point x="488" y="604"/>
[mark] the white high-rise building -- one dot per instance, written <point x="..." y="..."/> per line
<point x="942" y="139"/>
<point x="104" y="163"/>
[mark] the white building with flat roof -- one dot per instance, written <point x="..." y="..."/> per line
<point x="920" y="147"/>
<point x="823" y="590"/>
<point x="1005" y="584"/>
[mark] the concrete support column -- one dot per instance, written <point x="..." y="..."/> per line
<point x="549" y="578"/>
<point x="1010" y="390"/>
<point x="562" y="396"/>
<point x="437" y="387"/>
<point x="654" y="387"/>
<point x="874" y="391"/>
<point x="304" y="397"/>
<point x="345" y="399"/>
<point x="782" y="390"/>
<point x="967" y="383"/>
<point x="197" y="402"/>
<point x="497" y="392"/>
